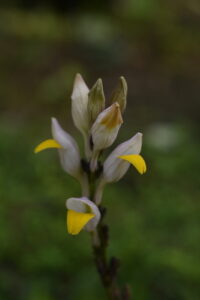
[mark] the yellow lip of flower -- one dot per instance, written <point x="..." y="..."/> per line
<point x="77" y="220"/>
<point x="50" y="143"/>
<point x="137" y="161"/>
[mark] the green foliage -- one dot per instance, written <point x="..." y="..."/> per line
<point x="154" y="218"/>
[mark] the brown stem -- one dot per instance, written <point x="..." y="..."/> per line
<point x="107" y="268"/>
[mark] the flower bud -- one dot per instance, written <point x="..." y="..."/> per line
<point x="105" y="129"/>
<point x="114" y="168"/>
<point x="69" y="153"/>
<point x="82" y="213"/>
<point x="79" y="104"/>
<point x="96" y="102"/>
<point x="120" y="94"/>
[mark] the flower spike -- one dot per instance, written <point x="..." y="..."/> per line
<point x="99" y="127"/>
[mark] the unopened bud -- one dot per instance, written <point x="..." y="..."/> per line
<point x="120" y="93"/>
<point x="80" y="104"/>
<point x="96" y="102"/>
<point x="105" y="129"/>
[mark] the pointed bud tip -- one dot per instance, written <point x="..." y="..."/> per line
<point x="99" y="81"/>
<point x="78" y="76"/>
<point x="120" y="93"/>
<point x="98" y="86"/>
<point x="78" y="79"/>
<point x="123" y="84"/>
<point x="139" y="134"/>
<point x="54" y="123"/>
<point x="122" y="78"/>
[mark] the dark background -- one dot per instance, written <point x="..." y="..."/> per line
<point x="154" y="218"/>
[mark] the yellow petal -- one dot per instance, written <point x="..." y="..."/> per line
<point x="137" y="161"/>
<point x="46" y="145"/>
<point x="77" y="220"/>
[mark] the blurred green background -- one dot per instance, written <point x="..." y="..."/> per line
<point x="154" y="218"/>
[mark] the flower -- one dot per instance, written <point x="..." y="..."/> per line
<point x="82" y="213"/>
<point x="118" y="162"/>
<point x="67" y="148"/>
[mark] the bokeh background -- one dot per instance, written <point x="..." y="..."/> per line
<point x="154" y="218"/>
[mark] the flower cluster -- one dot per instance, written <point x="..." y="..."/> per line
<point x="99" y="126"/>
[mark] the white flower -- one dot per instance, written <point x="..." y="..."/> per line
<point x="114" y="168"/>
<point x="118" y="162"/>
<point x="80" y="104"/>
<point x="82" y="213"/>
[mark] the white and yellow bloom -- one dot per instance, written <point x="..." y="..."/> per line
<point x="118" y="162"/>
<point x="82" y="214"/>
<point x="67" y="148"/>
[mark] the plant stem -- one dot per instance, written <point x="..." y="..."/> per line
<point x="107" y="268"/>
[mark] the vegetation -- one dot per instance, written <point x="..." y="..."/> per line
<point x="155" y="225"/>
